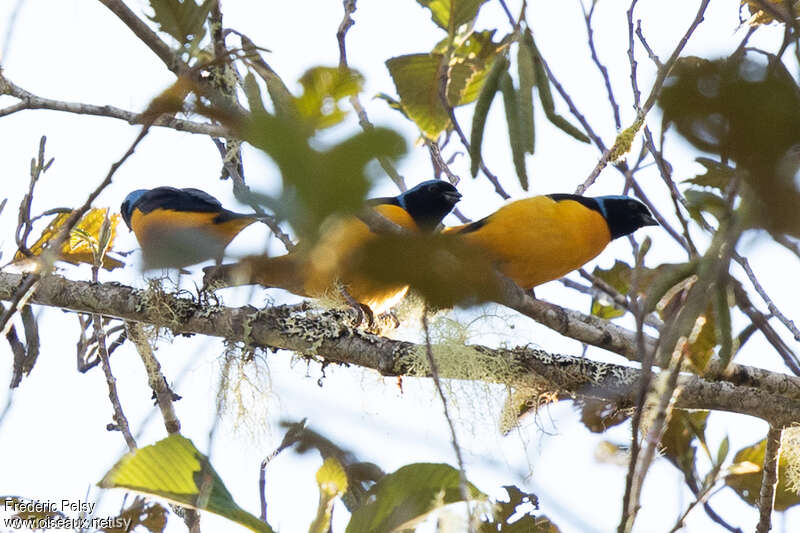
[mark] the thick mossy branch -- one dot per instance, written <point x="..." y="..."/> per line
<point x="768" y="395"/>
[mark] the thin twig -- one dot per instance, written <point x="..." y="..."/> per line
<point x="453" y="437"/>
<point x="146" y="35"/>
<point x="769" y="479"/>
<point x="644" y="109"/>
<point x="120" y="421"/>
<point x="155" y="378"/>
<point x="786" y="321"/>
<point x="292" y="435"/>
<point x="652" y="439"/>
<point x="587" y="17"/>
<point x="637" y="94"/>
<point x="243" y="193"/>
<point x="363" y="119"/>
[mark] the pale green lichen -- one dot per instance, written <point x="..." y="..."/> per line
<point x="478" y="382"/>
<point x="244" y="392"/>
<point x="164" y="308"/>
<point x="790" y="453"/>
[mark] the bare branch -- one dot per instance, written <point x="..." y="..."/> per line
<point x="146" y="35"/>
<point x="769" y="479"/>
<point x="745" y="264"/>
<point x="32" y="101"/>
<point x="587" y="17"/>
<point x="768" y="395"/>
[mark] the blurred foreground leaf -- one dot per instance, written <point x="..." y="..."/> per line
<point x="516" y="515"/>
<point x="173" y="468"/>
<point x="405" y="497"/>
<point x="443" y="269"/>
<point x="332" y="482"/>
<point x="182" y="19"/>
<point x="323" y="88"/>
<point x="745" y="108"/>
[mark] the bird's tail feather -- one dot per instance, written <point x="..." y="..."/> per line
<point x="281" y="272"/>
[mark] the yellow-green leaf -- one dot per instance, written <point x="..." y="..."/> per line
<point x="482" y="106"/>
<point x="470" y="63"/>
<point x="182" y="19"/>
<point x="546" y="98"/>
<point x="514" y="133"/>
<point x="332" y="481"/>
<point x="527" y="79"/>
<point x="323" y="88"/>
<point x="746" y="472"/>
<point x="678" y="442"/>
<point x="405" y="497"/>
<point x="450" y="14"/>
<point x="417" y="78"/>
<point x="174" y="468"/>
<point x="84" y="241"/>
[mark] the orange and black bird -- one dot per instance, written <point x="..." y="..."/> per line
<point x="542" y="238"/>
<point x="319" y="268"/>
<point x="181" y="227"/>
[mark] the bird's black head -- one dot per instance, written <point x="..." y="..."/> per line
<point x="624" y="214"/>
<point x="126" y="209"/>
<point x="429" y="202"/>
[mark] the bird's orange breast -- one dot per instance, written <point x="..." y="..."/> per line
<point x="537" y="239"/>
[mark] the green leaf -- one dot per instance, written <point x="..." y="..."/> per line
<point x="417" y="78"/>
<point x="323" y="88"/>
<point x="746" y="472"/>
<point x="470" y="64"/>
<point x="445" y="270"/>
<point x="703" y="340"/>
<point x="606" y="311"/>
<point x="485" y="98"/>
<point x="546" y="97"/>
<point x="718" y="175"/>
<point x="599" y="415"/>
<point x="317" y="183"/>
<point x="182" y="19"/>
<point x="514" y="133"/>
<point x="745" y="108"/>
<point x="332" y="482"/>
<point x="506" y="519"/>
<point x="669" y="276"/>
<point x="722" y="314"/>
<point x="405" y="497"/>
<point x="450" y="14"/>
<point x="281" y="97"/>
<point x="174" y="468"/>
<point x="149" y="515"/>
<point x="698" y="202"/>
<point x="678" y="442"/>
<point x="527" y="79"/>
<point x="253" y="94"/>
<point x="723" y="450"/>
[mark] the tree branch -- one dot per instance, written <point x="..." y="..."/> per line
<point x="146" y="35"/>
<point x="324" y="334"/>
<point x="769" y="479"/>
<point x="32" y="101"/>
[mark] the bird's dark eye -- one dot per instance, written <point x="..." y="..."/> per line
<point x="432" y="188"/>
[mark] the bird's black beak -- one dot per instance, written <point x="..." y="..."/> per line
<point x="648" y="220"/>
<point x="452" y="196"/>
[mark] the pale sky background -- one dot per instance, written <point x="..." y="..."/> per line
<point x="54" y="441"/>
